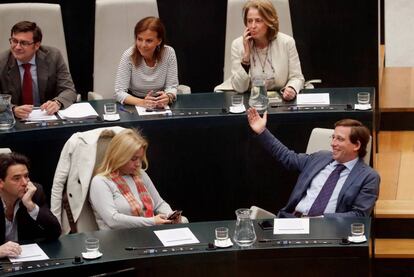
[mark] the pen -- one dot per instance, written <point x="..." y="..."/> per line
<point x="125" y="110"/>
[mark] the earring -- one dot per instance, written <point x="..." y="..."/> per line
<point x="158" y="47"/>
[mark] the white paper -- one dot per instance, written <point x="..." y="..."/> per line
<point x="283" y="226"/>
<point x="39" y="115"/>
<point x="143" y="111"/>
<point x="363" y="107"/>
<point x="177" y="236"/>
<point x="313" y="99"/>
<point x="78" y="111"/>
<point x="30" y="252"/>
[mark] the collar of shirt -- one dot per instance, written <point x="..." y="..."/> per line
<point x="349" y="164"/>
<point x="32" y="61"/>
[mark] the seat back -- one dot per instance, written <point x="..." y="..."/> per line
<point x="320" y="139"/>
<point x="47" y="16"/>
<point x="5" y="150"/>
<point x="114" y="33"/>
<point x="87" y="220"/>
<point x="259" y="213"/>
<point x="235" y="26"/>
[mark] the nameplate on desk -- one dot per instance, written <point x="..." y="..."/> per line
<point x="283" y="226"/>
<point x="313" y="99"/>
<point x="176" y="236"/>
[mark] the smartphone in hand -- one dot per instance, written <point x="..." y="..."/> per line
<point x="155" y="94"/>
<point x="175" y="214"/>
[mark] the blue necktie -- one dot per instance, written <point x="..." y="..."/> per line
<point x="321" y="201"/>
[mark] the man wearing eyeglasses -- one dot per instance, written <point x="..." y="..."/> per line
<point x="34" y="75"/>
<point x="330" y="183"/>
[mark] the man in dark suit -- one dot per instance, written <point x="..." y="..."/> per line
<point x="336" y="183"/>
<point x="34" y="75"/>
<point x="24" y="214"/>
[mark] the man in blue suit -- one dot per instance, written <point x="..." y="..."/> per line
<point x="356" y="186"/>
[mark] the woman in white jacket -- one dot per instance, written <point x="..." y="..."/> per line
<point x="263" y="50"/>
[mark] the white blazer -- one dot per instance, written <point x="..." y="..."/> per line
<point x="285" y="61"/>
<point x="75" y="168"/>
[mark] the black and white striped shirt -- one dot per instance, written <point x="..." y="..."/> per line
<point x="141" y="79"/>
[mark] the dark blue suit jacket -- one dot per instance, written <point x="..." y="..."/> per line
<point x="358" y="194"/>
<point x="46" y="226"/>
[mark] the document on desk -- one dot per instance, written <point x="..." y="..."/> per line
<point x="30" y="252"/>
<point x="81" y="110"/>
<point x="39" y="115"/>
<point x="145" y="111"/>
<point x="177" y="236"/>
<point x="284" y="226"/>
<point x="312" y="99"/>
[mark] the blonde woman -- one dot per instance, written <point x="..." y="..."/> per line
<point x="263" y="50"/>
<point x="121" y="194"/>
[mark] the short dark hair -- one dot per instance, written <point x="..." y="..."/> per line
<point x="9" y="159"/>
<point x="27" y="26"/>
<point x="359" y="132"/>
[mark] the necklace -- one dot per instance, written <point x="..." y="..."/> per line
<point x="266" y="59"/>
<point x="262" y="64"/>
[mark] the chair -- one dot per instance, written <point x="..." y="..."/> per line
<point x="259" y="213"/>
<point x="235" y="28"/>
<point x="5" y="150"/>
<point x="69" y="182"/>
<point x="114" y="32"/>
<point x="47" y="16"/>
<point x="320" y="139"/>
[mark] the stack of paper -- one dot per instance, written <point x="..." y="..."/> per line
<point x="78" y="111"/>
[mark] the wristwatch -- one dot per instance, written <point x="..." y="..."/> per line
<point x="58" y="102"/>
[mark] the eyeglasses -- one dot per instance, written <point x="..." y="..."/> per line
<point x="23" y="43"/>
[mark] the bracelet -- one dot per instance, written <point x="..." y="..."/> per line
<point x="171" y="98"/>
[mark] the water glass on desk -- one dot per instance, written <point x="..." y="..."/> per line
<point x="363" y="97"/>
<point x="222" y="233"/>
<point x="92" y="245"/>
<point x="357" y="229"/>
<point x="110" y="108"/>
<point x="237" y="100"/>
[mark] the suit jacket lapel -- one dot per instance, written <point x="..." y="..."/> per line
<point x="14" y="80"/>
<point x="306" y="184"/>
<point x="2" y="223"/>
<point x="351" y="179"/>
<point x="42" y="69"/>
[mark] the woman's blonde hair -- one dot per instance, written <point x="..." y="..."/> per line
<point x="268" y="12"/>
<point x="121" y="149"/>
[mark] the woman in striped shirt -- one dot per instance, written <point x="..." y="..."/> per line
<point x="147" y="73"/>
